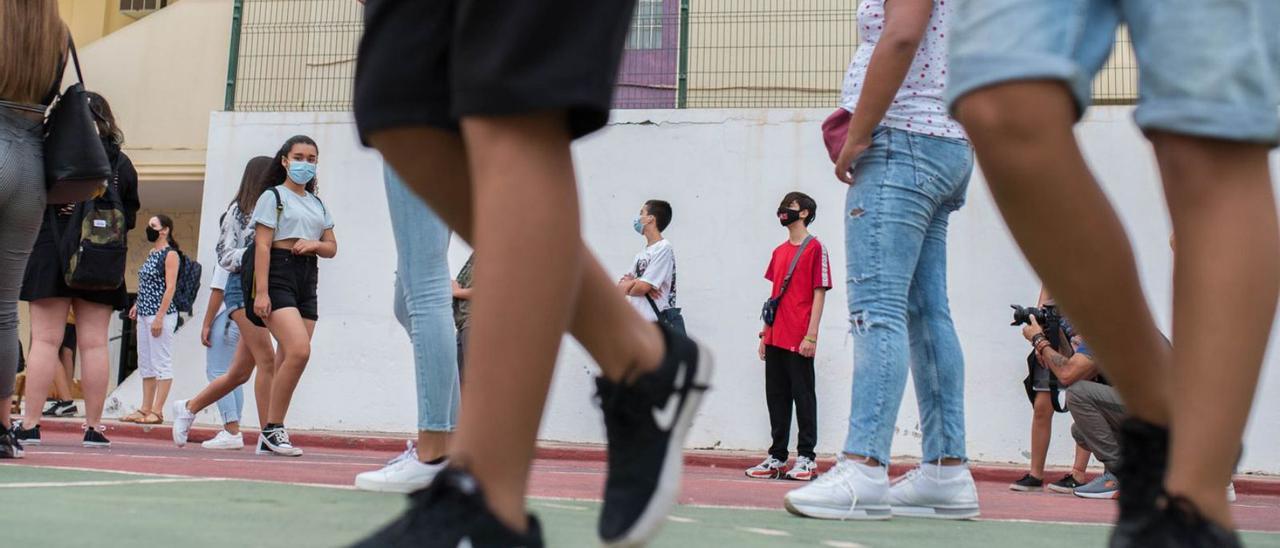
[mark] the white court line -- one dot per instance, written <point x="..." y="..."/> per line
<point x="842" y="544"/>
<point x="679" y="519"/>
<point x="560" y="506"/>
<point x="765" y="532"/>
<point x="83" y="469"/>
<point x="105" y="483"/>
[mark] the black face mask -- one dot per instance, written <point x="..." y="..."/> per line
<point x="152" y="234"/>
<point x="788" y="216"/>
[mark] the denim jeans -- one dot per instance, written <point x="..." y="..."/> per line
<point x="223" y="338"/>
<point x="424" y="303"/>
<point x="906" y="185"/>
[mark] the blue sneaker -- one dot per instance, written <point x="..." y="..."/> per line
<point x="1105" y="486"/>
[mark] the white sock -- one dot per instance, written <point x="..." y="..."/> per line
<point x="944" y="472"/>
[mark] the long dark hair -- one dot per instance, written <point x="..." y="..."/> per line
<point x="252" y="184"/>
<point x="276" y="174"/>
<point x="106" y="120"/>
<point x="166" y="222"/>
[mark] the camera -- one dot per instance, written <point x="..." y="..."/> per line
<point x="1044" y="316"/>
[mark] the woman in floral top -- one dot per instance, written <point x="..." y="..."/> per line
<point x="157" y="319"/>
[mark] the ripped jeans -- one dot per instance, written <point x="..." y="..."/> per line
<point x="906" y="185"/>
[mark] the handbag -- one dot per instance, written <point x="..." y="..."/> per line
<point x="76" y="167"/>
<point x="671" y="317"/>
<point x="770" y="310"/>
<point x="835" y="130"/>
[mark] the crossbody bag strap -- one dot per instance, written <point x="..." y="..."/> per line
<point x="654" y="306"/>
<point x="792" y="269"/>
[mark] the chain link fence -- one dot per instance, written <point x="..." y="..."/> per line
<point x="299" y="55"/>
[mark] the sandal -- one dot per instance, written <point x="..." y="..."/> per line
<point x="136" y="416"/>
<point x="152" y="418"/>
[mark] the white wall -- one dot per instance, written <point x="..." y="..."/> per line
<point x="724" y="171"/>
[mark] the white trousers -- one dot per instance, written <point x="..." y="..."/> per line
<point x="155" y="354"/>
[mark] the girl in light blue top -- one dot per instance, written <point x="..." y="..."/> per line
<point x="293" y="228"/>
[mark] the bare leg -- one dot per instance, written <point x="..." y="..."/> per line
<point x="1022" y="134"/>
<point x="433" y="445"/>
<point x="148" y="395"/>
<point x="92" y="320"/>
<point x="42" y="361"/>
<point x="1041" y="430"/>
<point x="294" y="334"/>
<point x="162" y="394"/>
<point x="68" y="358"/>
<point x="1081" y="463"/>
<point x="61" y="379"/>
<point x="1226" y="282"/>
<point x="258" y="341"/>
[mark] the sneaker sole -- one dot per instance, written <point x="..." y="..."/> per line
<point x="1063" y="490"/>
<point x="1097" y="496"/>
<point x="223" y="448"/>
<point x="664" y="498"/>
<point x="96" y="444"/>
<point x="932" y="512"/>
<point x="822" y="512"/>
<point x="29" y="442"/>
<point x="366" y="484"/>
<point x="1025" y="489"/>
<point x="764" y="477"/>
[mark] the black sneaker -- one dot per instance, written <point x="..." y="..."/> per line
<point x="93" y="437"/>
<point x="646" y="423"/>
<point x="277" y="440"/>
<point x="1179" y="524"/>
<point x="61" y="408"/>
<point x="1144" y="457"/>
<point x="450" y="512"/>
<point x="1027" y="483"/>
<point x="26" y="436"/>
<point x="10" y="447"/>
<point x="1067" y="485"/>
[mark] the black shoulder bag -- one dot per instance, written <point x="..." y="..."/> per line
<point x="247" y="284"/>
<point x="671" y="317"/>
<point x="75" y="162"/>
<point x="770" y="310"/>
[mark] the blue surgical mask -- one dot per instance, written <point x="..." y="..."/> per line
<point x="301" y="172"/>
<point x="639" y="226"/>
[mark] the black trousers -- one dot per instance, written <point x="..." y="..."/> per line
<point x="789" y="379"/>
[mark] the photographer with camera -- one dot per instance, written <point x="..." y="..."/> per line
<point x="1059" y="360"/>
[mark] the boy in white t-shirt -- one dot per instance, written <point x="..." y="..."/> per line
<point x="651" y="283"/>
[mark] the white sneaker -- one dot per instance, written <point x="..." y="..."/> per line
<point x="932" y="491"/>
<point x="278" y="442"/>
<point x="404" y="474"/>
<point x="1231" y="492"/>
<point x="225" y="440"/>
<point x="848" y="491"/>
<point x="182" y="420"/>
<point x="262" y="445"/>
<point x="804" y="470"/>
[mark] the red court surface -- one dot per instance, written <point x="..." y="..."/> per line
<point x="704" y="484"/>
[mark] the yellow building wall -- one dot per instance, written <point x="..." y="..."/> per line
<point x="90" y="20"/>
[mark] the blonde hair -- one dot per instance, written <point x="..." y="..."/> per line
<point x="32" y="41"/>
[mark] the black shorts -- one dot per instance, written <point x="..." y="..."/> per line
<point x="431" y="63"/>
<point x="291" y="283"/>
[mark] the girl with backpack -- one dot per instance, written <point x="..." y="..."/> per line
<point x="253" y="347"/>
<point x="97" y="284"/>
<point x="157" y="318"/>
<point x="292" y="228"/>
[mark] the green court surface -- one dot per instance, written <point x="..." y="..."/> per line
<point x="50" y="506"/>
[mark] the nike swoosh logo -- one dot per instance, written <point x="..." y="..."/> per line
<point x="665" y="416"/>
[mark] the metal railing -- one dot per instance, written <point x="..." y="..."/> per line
<point x="299" y="55"/>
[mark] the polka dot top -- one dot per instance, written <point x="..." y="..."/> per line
<point x="151" y="284"/>
<point x="919" y="106"/>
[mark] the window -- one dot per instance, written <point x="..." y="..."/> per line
<point x="142" y="5"/>
<point x="646" y="29"/>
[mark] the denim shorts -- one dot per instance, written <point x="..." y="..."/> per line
<point x="1206" y="68"/>
<point x="233" y="294"/>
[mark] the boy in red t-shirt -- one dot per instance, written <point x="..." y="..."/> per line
<point x="788" y="344"/>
